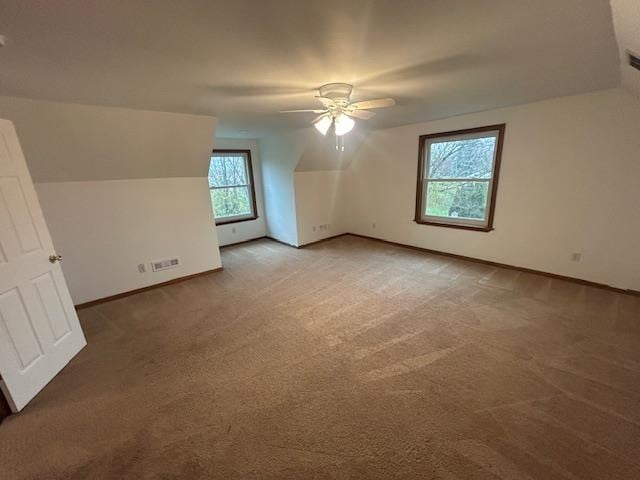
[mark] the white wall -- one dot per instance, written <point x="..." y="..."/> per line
<point x="318" y="203"/>
<point x="569" y="182"/>
<point x="104" y="229"/>
<point x="241" y="231"/>
<point x="97" y="173"/>
<point x="280" y="155"/>
<point x="302" y="172"/>
<point x="317" y="179"/>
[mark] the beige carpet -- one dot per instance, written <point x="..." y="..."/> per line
<point x="350" y="359"/>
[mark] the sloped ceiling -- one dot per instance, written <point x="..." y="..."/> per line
<point x="327" y="153"/>
<point x="69" y="142"/>
<point x="244" y="60"/>
<point x="626" y="16"/>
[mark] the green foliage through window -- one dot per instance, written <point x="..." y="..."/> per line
<point x="457" y="199"/>
<point x="231" y="201"/>
<point x="472" y="158"/>
<point x="458" y="177"/>
<point x="229" y="185"/>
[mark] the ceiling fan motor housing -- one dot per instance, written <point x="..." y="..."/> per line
<point x="338" y="92"/>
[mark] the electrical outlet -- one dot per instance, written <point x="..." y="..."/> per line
<point x="576" y="257"/>
<point x="314" y="228"/>
<point x="141" y="268"/>
<point x="233" y="230"/>
<point x="373" y="225"/>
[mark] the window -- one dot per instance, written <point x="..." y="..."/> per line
<point x="231" y="184"/>
<point x="458" y="178"/>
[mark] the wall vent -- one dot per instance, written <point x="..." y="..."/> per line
<point x="634" y="61"/>
<point x="160" y="265"/>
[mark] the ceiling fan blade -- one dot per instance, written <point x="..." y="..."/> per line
<point x="301" y="111"/>
<point x="327" y="102"/>
<point x="377" y="103"/>
<point x="319" y="117"/>
<point x="363" y="114"/>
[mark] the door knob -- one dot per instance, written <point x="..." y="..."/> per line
<point x="55" y="258"/>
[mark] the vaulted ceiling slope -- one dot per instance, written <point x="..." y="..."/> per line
<point x="244" y="60"/>
<point x="70" y="142"/>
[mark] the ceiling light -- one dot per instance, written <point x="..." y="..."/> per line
<point x="323" y="124"/>
<point x="338" y="110"/>
<point x="344" y="124"/>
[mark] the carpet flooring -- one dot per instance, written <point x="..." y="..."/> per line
<point x="350" y="359"/>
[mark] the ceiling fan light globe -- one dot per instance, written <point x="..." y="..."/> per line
<point x="323" y="125"/>
<point x="344" y="124"/>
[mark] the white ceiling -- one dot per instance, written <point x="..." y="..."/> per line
<point x="244" y="60"/>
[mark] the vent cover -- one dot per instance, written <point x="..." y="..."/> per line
<point x="634" y="61"/>
<point x="159" y="265"/>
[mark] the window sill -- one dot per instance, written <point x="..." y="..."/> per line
<point x="235" y="220"/>
<point x="453" y="225"/>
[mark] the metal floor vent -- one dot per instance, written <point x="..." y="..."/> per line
<point x="159" y="265"/>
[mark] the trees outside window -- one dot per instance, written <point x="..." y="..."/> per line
<point x="458" y="177"/>
<point x="231" y="185"/>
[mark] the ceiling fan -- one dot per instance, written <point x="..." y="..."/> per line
<point x="338" y="110"/>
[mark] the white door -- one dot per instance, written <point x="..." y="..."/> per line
<point x="39" y="328"/>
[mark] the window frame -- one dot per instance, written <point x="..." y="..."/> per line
<point x="249" y="164"/>
<point x="423" y="181"/>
